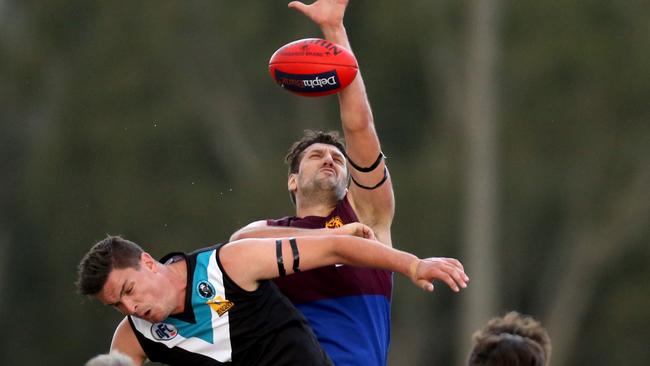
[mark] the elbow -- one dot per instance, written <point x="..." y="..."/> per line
<point x="358" y="122"/>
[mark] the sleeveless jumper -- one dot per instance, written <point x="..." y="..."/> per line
<point x="347" y="307"/>
<point x="224" y="324"/>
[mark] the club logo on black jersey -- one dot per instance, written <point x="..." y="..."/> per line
<point x="163" y="331"/>
<point x="220" y="305"/>
<point x="205" y="290"/>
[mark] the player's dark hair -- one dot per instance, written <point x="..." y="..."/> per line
<point x="107" y="254"/>
<point x="511" y="340"/>
<point x="309" y="138"/>
<point x="295" y="154"/>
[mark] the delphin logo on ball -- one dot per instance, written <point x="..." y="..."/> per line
<point x="308" y="83"/>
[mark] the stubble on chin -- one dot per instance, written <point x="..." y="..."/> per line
<point x="323" y="190"/>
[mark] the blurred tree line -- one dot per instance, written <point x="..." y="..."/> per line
<point x="159" y="121"/>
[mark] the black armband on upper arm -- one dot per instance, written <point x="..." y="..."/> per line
<point x="278" y="257"/>
<point x="376" y="185"/>
<point x="296" y="255"/>
<point x="371" y="167"/>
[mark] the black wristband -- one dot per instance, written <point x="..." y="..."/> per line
<point x="278" y="256"/>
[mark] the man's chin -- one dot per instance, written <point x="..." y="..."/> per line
<point x="331" y="186"/>
<point x="323" y="187"/>
<point x="156" y="317"/>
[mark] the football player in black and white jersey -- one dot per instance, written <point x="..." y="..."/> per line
<point x="216" y="306"/>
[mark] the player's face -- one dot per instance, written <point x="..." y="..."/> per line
<point x="322" y="168"/>
<point x="138" y="292"/>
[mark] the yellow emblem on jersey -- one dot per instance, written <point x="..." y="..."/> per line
<point x="334" y="222"/>
<point x="220" y="305"/>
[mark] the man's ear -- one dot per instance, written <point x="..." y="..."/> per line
<point x="292" y="182"/>
<point x="148" y="262"/>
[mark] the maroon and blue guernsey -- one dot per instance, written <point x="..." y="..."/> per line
<point x="347" y="307"/>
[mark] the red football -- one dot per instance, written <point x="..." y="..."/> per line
<point x="313" y="67"/>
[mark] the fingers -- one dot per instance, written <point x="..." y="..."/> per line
<point x="456" y="267"/>
<point x="455" y="262"/>
<point x="455" y="277"/>
<point x="460" y="278"/>
<point x="425" y="285"/>
<point x="454" y="281"/>
<point x="355" y="229"/>
<point x="368" y="233"/>
<point x="448" y="270"/>
<point x="461" y="270"/>
<point x="358" y="229"/>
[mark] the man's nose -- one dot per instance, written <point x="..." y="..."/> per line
<point x="328" y="159"/>
<point x="129" y="306"/>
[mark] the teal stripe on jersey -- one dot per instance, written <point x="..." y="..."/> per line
<point x="202" y="314"/>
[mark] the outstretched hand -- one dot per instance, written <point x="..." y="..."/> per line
<point x="448" y="270"/>
<point x="325" y="13"/>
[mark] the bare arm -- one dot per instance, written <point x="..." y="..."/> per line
<point x="125" y="341"/>
<point x="375" y="207"/>
<point x="251" y="260"/>
<point x="259" y="229"/>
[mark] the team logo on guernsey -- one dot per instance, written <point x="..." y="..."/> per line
<point x="220" y="305"/>
<point x="334" y="222"/>
<point x="205" y="290"/>
<point x="163" y="331"/>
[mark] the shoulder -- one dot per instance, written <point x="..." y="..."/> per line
<point x="124" y="330"/>
<point x="259" y="223"/>
<point x="125" y="341"/>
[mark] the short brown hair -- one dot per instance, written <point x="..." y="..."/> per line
<point x="309" y="138"/>
<point x="107" y="254"/>
<point x="511" y="340"/>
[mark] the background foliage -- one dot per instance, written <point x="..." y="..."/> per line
<point x="159" y="121"/>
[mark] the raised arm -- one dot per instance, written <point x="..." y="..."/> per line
<point x="375" y="207"/>
<point x="251" y="260"/>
